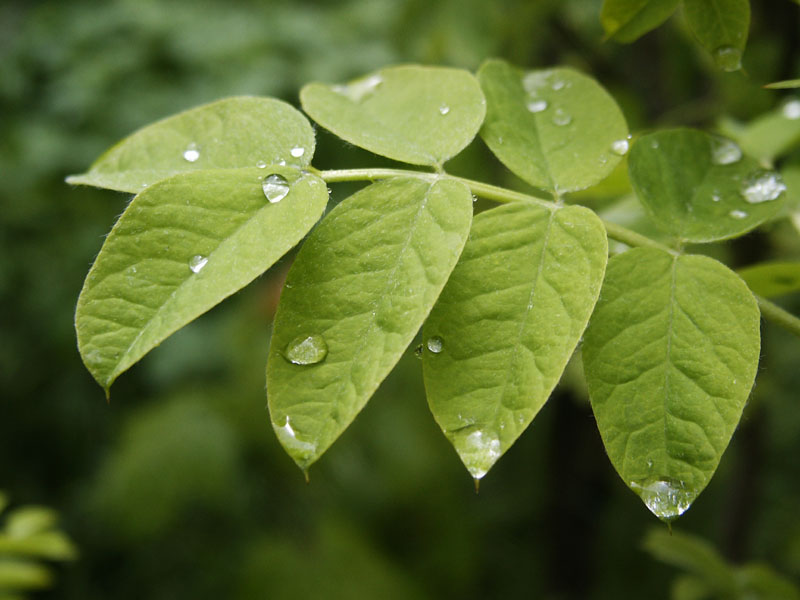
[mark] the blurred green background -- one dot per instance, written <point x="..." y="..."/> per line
<point x="178" y="487"/>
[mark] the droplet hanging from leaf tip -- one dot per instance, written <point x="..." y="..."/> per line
<point x="197" y="262"/>
<point x="306" y="350"/>
<point x="477" y="482"/>
<point x="275" y="187"/>
<point x="666" y="499"/>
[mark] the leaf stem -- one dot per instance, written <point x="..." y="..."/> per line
<point x="769" y="310"/>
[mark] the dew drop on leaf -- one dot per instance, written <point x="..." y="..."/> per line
<point x="288" y="437"/>
<point x="738" y="214"/>
<point x="665" y="499"/>
<point x="791" y="110"/>
<point x="561" y="117"/>
<point x="191" y="154"/>
<point x="360" y="89"/>
<point x="557" y="85"/>
<point x="306" y="350"/>
<point x="763" y="187"/>
<point x="444" y="109"/>
<point x="715" y="197"/>
<point x="725" y="152"/>
<point x="620" y="147"/>
<point x="197" y="262"/>
<point x="275" y="187"/>
<point x="261" y="164"/>
<point x="297" y="151"/>
<point x="536" y="106"/>
<point x="435" y="344"/>
<point x="728" y="58"/>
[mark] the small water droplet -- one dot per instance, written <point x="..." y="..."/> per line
<point x="665" y="499"/>
<point x="306" y="350"/>
<point x="536" y="106"/>
<point x="738" y="214"/>
<point x="360" y="89"/>
<point x="444" y="109"/>
<point x="275" y="187"/>
<point x="288" y="437"/>
<point x="715" y="197"/>
<point x="654" y="144"/>
<point x="620" y="147"/>
<point x="561" y="118"/>
<point x="728" y="58"/>
<point x="191" y="154"/>
<point x="479" y="451"/>
<point x="725" y="152"/>
<point x="261" y="164"/>
<point x="557" y="85"/>
<point x="763" y="186"/>
<point x="297" y="151"/>
<point x="197" y="262"/>
<point x="435" y="344"/>
<point x="791" y="110"/>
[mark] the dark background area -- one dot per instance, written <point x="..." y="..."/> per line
<point x="178" y="488"/>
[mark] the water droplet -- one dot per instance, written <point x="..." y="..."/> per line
<point x="297" y="151"/>
<point x="287" y="435"/>
<point x="728" y="58"/>
<point x="444" y="109"/>
<point x="725" y="152"/>
<point x="197" y="262"/>
<point x="360" y="89"/>
<point x="654" y="144"/>
<point x="479" y="450"/>
<point x="275" y="187"/>
<point x="791" y="110"/>
<point x="191" y="154"/>
<point x="435" y="344"/>
<point x="763" y="186"/>
<point x="738" y="214"/>
<point x="620" y="147"/>
<point x="715" y="197"/>
<point x="557" y="85"/>
<point x="665" y="499"/>
<point x="306" y="350"/>
<point x="261" y="164"/>
<point x="536" y="106"/>
<point x="561" y="118"/>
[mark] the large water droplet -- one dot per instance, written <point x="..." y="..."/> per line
<point x="191" y="154"/>
<point x="536" y="106"/>
<point x="444" y="109"/>
<point x="275" y="187"/>
<point x="725" y="152"/>
<point x="435" y="344"/>
<point x="360" y="89"/>
<point x="287" y="435"/>
<point x="665" y="499"/>
<point x="306" y="350"/>
<point x="763" y="187"/>
<point x="297" y="151"/>
<point x="620" y="147"/>
<point x="728" y="58"/>
<point x="479" y="450"/>
<point x="738" y="214"/>
<point x="791" y="110"/>
<point x="561" y="117"/>
<point x="197" y="262"/>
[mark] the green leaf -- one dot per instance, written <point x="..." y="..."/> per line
<point x="772" y="278"/>
<point x="670" y="356"/>
<point x="28" y="520"/>
<point x="784" y="85"/>
<point x="357" y="294"/>
<point x="418" y="115"/>
<point x="181" y="247"/>
<point x="721" y="27"/>
<point x="773" y="134"/>
<point x="229" y="133"/>
<point x="23" y="575"/>
<point x="508" y="321"/>
<point x="52" y="545"/>
<point x="627" y="20"/>
<point x="700" y="188"/>
<point x="556" y="128"/>
<point x="762" y="582"/>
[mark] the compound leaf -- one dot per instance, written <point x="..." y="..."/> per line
<point x="721" y="27"/>
<point x="229" y="133"/>
<point x="555" y="128"/>
<point x="670" y="356"/>
<point x="181" y="247"/>
<point x="627" y="20"/>
<point x="418" y="115"/>
<point x="357" y="294"/>
<point x="508" y="321"/>
<point x="700" y="188"/>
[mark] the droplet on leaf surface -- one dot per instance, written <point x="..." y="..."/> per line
<point x="275" y="187"/>
<point x="297" y="151"/>
<point x="435" y="344"/>
<point x="764" y="186"/>
<point x="725" y="152"/>
<point x="536" y="106"/>
<point x="191" y="154"/>
<point x="306" y="350"/>
<point x="197" y="262"/>
<point x="561" y="117"/>
<point x="791" y="110"/>
<point x="620" y="147"/>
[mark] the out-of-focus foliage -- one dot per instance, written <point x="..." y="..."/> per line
<point x="178" y="488"/>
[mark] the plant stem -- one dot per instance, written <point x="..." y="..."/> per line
<point x="769" y="310"/>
